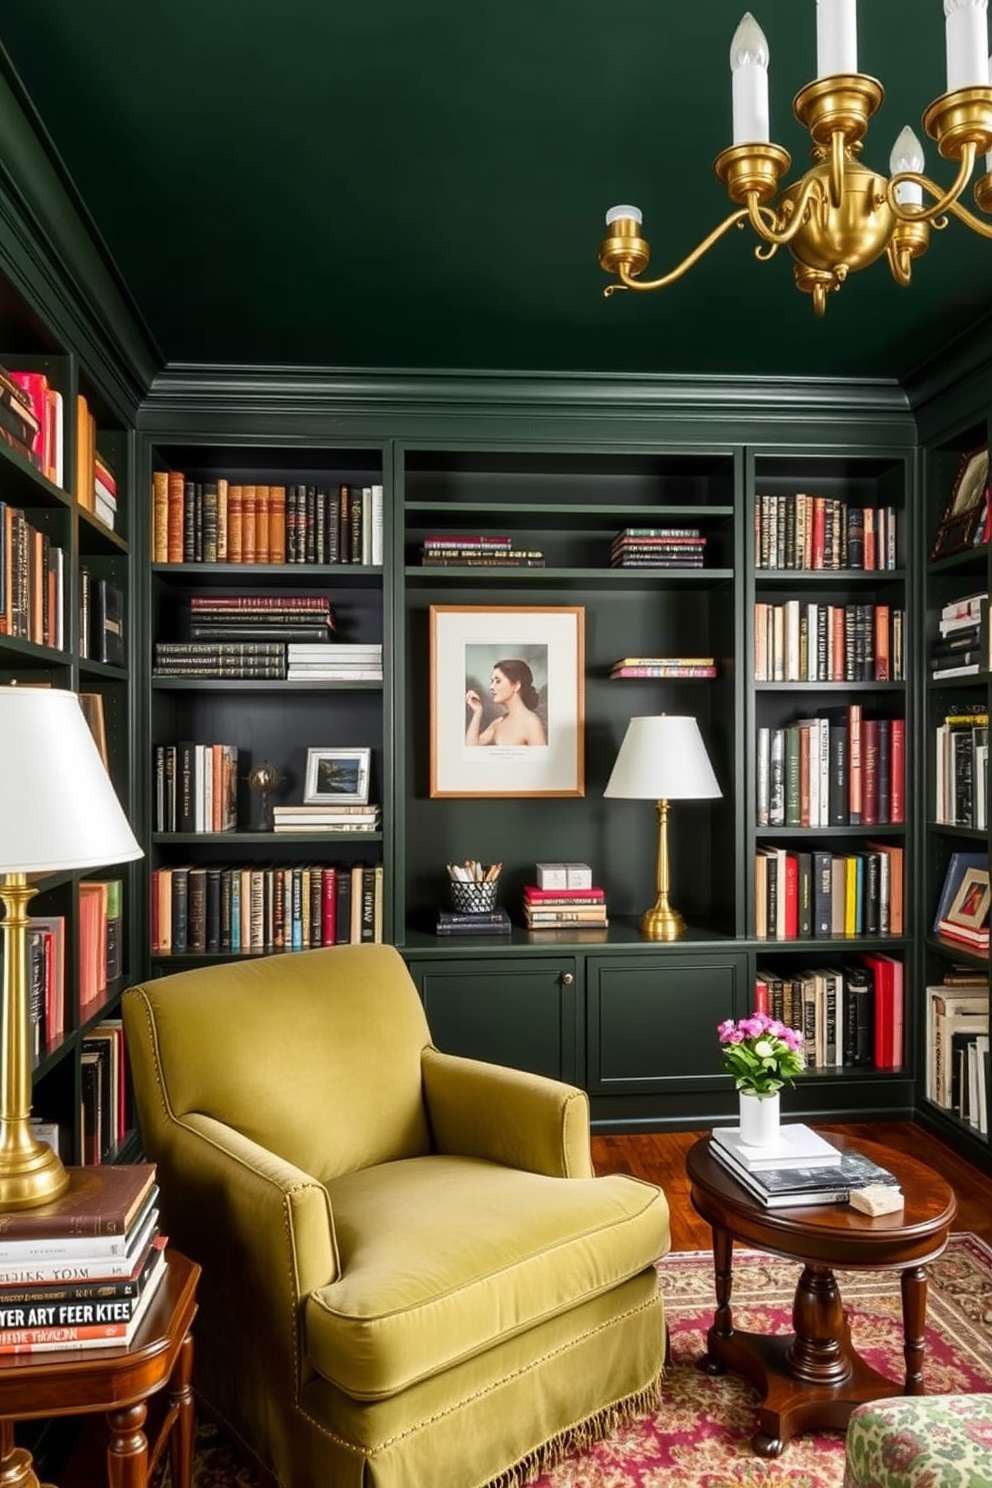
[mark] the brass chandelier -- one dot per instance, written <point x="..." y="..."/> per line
<point x="841" y="215"/>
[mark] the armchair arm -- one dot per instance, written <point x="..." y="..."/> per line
<point x="506" y="1116"/>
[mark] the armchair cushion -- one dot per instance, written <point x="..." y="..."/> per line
<point x="506" y="1250"/>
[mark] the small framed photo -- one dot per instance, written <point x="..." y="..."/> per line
<point x="970" y="906"/>
<point x="961" y="522"/>
<point x="340" y="776"/>
<point x="507" y="700"/>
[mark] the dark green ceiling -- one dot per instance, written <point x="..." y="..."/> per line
<point x="422" y="185"/>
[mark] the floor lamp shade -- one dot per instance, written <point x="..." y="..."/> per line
<point x="58" y="811"/>
<point x="662" y="759"/>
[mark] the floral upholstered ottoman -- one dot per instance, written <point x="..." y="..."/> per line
<point x="929" y="1441"/>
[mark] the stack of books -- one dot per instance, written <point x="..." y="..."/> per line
<point x="327" y="817"/>
<point x="658" y="547"/>
<point x="245" y="635"/>
<point x="962" y="645"/>
<point x="315" y="661"/>
<point x="81" y="1271"/>
<point x="803" y="1167"/>
<point x="486" y="922"/>
<point x="478" y="550"/>
<point x="664" y="666"/>
<point x="553" y="909"/>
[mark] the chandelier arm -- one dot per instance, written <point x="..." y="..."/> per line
<point x="900" y="264"/>
<point x="764" y="220"/>
<point x="984" y="229"/>
<point x="627" y="281"/>
<point x="946" y="200"/>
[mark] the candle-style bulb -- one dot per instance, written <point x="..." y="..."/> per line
<point x="836" y="37"/>
<point x="966" y="31"/>
<point x="907" y="155"/>
<point x="624" y="210"/>
<point x="749" y="66"/>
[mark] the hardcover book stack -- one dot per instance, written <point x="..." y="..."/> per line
<point x="20" y="426"/>
<point x="224" y="521"/>
<point x="658" y="547"/>
<point x="663" y="666"/>
<point x="556" y="909"/>
<point x="802" y="1168"/>
<point x="104" y="490"/>
<point x="327" y="817"/>
<point x="957" y="1045"/>
<point x="820" y="532"/>
<point x="245" y="635"/>
<point x="477" y="550"/>
<point x="48" y="445"/>
<point x="81" y="1272"/>
<point x="962" y="645"/>
<point x="333" y="661"/>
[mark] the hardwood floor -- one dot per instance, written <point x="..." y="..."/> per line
<point x="660" y="1157"/>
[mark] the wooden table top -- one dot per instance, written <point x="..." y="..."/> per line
<point x="832" y="1234"/>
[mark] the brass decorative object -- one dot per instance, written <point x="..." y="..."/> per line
<point x="840" y="216"/>
<point x="264" y="779"/>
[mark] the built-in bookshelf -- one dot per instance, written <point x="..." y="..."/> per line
<point x="953" y="1069"/>
<point x="63" y="534"/>
<point x="273" y="559"/>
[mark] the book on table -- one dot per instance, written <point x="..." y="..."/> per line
<point x="790" y="1187"/>
<point x="797" y="1146"/>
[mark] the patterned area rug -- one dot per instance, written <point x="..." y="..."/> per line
<point x="700" y="1438"/>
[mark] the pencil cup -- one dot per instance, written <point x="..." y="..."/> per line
<point x="474" y="898"/>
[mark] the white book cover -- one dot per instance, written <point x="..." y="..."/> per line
<point x="798" y="1146"/>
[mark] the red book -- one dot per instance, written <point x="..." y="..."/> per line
<point x="854" y="772"/>
<point x="329" y="902"/>
<point x="888" y="974"/>
<point x="791" y="897"/>
<point x="533" y="895"/>
<point x="35" y="384"/>
<point x="761" y="997"/>
<point x="897" y="771"/>
<point x="819" y="508"/>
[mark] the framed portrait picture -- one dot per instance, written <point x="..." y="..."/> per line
<point x="970" y="905"/>
<point x="507" y="700"/>
<point x="961" y="523"/>
<point x="340" y="776"/>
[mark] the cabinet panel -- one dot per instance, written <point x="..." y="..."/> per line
<point x="653" y="1021"/>
<point x="522" y="1013"/>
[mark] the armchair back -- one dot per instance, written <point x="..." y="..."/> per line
<point x="316" y="1056"/>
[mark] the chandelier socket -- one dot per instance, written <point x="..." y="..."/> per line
<point x="983" y="193"/>
<point x="961" y="118"/>
<point x="748" y="170"/>
<point x="624" y="248"/>
<point x="838" y="105"/>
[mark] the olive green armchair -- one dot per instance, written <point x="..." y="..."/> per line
<point x="411" y="1276"/>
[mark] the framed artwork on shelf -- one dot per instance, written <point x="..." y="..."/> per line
<point x="507" y="700"/>
<point x="92" y="706"/>
<point x="340" y="776"/>
<point x="971" y="902"/>
<point x="962" y="522"/>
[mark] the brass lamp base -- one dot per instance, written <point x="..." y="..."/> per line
<point x="31" y="1174"/>
<point x="662" y="923"/>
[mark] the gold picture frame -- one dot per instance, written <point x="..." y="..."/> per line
<point x="507" y="704"/>
<point x="961" y="521"/>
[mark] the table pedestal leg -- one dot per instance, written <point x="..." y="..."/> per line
<point x="181" y="1436"/>
<point x="914" y="1319"/>
<point x="723" y="1318"/>
<point x="127" y="1453"/>
<point x="16" y="1467"/>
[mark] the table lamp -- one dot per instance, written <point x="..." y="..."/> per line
<point x="58" y="811"/>
<point x="662" y="759"/>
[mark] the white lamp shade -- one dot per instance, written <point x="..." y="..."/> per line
<point x="58" y="808"/>
<point x="663" y="759"/>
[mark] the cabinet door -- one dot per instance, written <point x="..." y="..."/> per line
<point x="653" y="1021"/>
<point x="521" y="1013"/>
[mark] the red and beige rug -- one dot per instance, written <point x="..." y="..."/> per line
<point x="700" y="1438"/>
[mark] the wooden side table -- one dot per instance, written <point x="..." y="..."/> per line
<point x="813" y="1377"/>
<point x="119" y="1381"/>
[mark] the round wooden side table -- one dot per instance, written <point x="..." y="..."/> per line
<point x="813" y="1378"/>
<point x="118" y="1381"/>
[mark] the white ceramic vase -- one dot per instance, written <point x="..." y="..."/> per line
<point x="759" y="1118"/>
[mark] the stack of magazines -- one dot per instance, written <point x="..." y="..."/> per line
<point x="803" y="1167"/>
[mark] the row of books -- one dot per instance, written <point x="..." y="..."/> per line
<point x="850" y="1014"/>
<point x="833" y="769"/>
<point x="223" y="521"/>
<point x="100" y="935"/>
<point x="478" y="550"/>
<point x="249" y="908"/>
<point x="196" y="787"/>
<point x="962" y="913"/>
<point x="326" y="818"/>
<point x="961" y="757"/>
<point x="95" y="481"/>
<point x="961" y="648"/>
<point x="32" y="581"/>
<point x="31" y="420"/>
<point x="822" y="895"/>
<point x="553" y="909"/>
<point x="957" y="1045"/>
<point x="658" y="547"/>
<point x="806" y="642"/>
<point x="103" y="1090"/>
<point x="664" y="666"/>
<point x="800" y="531"/>
<point x="803" y="1168"/>
<point x="81" y="1272"/>
<point x="101" y="619"/>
